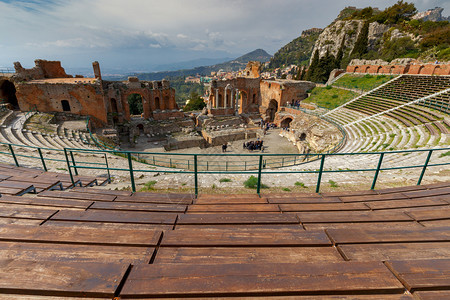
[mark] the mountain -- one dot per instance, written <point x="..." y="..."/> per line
<point x="298" y="51"/>
<point x="190" y="64"/>
<point x="232" y="65"/>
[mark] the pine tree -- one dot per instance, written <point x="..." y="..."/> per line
<point x="361" y="42"/>
<point x="312" y="66"/>
<point x="340" y="54"/>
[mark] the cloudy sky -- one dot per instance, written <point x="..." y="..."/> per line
<point x="140" y="34"/>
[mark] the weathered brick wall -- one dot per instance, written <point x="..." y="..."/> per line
<point x="423" y="69"/>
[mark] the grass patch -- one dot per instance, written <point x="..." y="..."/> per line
<point x="300" y="184"/>
<point x="333" y="184"/>
<point x="362" y="82"/>
<point x="225" y="180"/>
<point x="445" y="154"/>
<point x="61" y="169"/>
<point x="329" y="97"/>
<point x="286" y="189"/>
<point x="149" y="186"/>
<point x="252" y="183"/>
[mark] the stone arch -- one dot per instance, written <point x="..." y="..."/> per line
<point x="367" y="69"/>
<point x="140" y="128"/>
<point x="135" y="103"/>
<point x="379" y="69"/>
<point x="391" y="70"/>
<point x="220" y="100"/>
<point x="243" y="100"/>
<point x="436" y="70"/>
<point x="166" y="102"/>
<point x="272" y="110"/>
<point x="286" y="122"/>
<point x="114" y="105"/>
<point x="302" y="136"/>
<point x="65" y="105"/>
<point x="8" y="93"/>
<point x="356" y="70"/>
<point x="421" y="69"/>
<point x="157" y="103"/>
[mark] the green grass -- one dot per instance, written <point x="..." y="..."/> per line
<point x="329" y="97"/>
<point x="300" y="184"/>
<point x="333" y="183"/>
<point x="252" y="183"/>
<point x="286" y="189"/>
<point x="225" y="180"/>
<point x="61" y="169"/>
<point x="445" y="154"/>
<point x="149" y="186"/>
<point x="362" y="82"/>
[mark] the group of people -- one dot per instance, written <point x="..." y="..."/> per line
<point x="254" y="145"/>
<point x="295" y="103"/>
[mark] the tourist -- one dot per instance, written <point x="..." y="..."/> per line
<point x="224" y="147"/>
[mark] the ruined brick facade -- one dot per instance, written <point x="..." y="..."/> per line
<point x="48" y="88"/>
<point x="413" y="69"/>
<point x="251" y="94"/>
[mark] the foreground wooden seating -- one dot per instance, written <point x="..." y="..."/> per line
<point x="88" y="242"/>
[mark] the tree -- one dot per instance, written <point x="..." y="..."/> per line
<point x="195" y="102"/>
<point x="401" y="11"/>
<point x="360" y="47"/>
<point x="325" y="66"/>
<point x="312" y="66"/>
<point x="340" y="54"/>
<point x="135" y="104"/>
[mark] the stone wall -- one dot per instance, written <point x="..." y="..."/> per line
<point x="414" y="69"/>
<point x="43" y="69"/>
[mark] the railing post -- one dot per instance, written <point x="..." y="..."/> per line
<point x="130" y="165"/>
<point x="189" y="165"/>
<point x="13" y="155"/>
<point x="226" y="165"/>
<point x="42" y="159"/>
<point x="69" y="167"/>
<point x="207" y="165"/>
<point x="74" y="165"/>
<point x="258" y="187"/>
<point x="107" y="168"/>
<point x="375" y="177"/>
<point x="282" y="162"/>
<point x="195" y="175"/>
<point x="154" y="163"/>
<point x="245" y="165"/>
<point x="319" y="178"/>
<point x="425" y="167"/>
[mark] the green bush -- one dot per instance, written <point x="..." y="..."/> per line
<point x="333" y="183"/>
<point x="286" y="189"/>
<point x="149" y="186"/>
<point x="224" y="180"/>
<point x="300" y="184"/>
<point x="252" y="183"/>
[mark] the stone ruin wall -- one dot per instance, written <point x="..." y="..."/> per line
<point x="397" y="67"/>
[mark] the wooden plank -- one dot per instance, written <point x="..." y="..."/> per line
<point x="243" y="255"/>
<point x="76" y="195"/>
<point x="367" y="198"/>
<point x="211" y="208"/>
<point x="101" y="191"/>
<point x="436" y="223"/>
<point x="417" y="202"/>
<point x="116" y="217"/>
<point x="74" y="253"/>
<point x="36" y="297"/>
<point x="27" y="213"/>
<point x="364" y="225"/>
<point x="241" y="227"/>
<point x="229" y="200"/>
<point x="167" y="196"/>
<point x="418" y="275"/>
<point x="265" y="296"/>
<point x="7" y="221"/>
<point x="352" y="217"/>
<point x="259" y="279"/>
<point x="430" y="214"/>
<point x="432" y="295"/>
<point x="220" y="238"/>
<point x="402" y="189"/>
<point x="160" y="198"/>
<point x="11" y="191"/>
<point x="265" y="218"/>
<point x="66" y="235"/>
<point x="427" y="193"/>
<point x="42" y="201"/>
<point x="366" y="236"/>
<point x="15" y="184"/>
<point x="106" y="226"/>
<point x="304" y="200"/>
<point x="151" y="207"/>
<point x="60" y="278"/>
<point x="290" y="195"/>
<point x="323" y="207"/>
<point x="395" y="251"/>
<point x="349" y="193"/>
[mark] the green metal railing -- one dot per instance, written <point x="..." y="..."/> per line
<point x="74" y="165"/>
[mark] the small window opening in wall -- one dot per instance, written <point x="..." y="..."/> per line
<point x="65" y="105"/>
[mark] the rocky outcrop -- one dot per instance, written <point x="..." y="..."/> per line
<point x="434" y="14"/>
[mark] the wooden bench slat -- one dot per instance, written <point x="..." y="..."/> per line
<point x="363" y="225"/>
<point x="428" y="193"/>
<point x="211" y="208"/>
<point x="42" y="234"/>
<point x="395" y="251"/>
<point x="360" y="236"/>
<point x="27" y="213"/>
<point x="263" y="218"/>
<point x="352" y="216"/>
<point x="417" y="202"/>
<point x="159" y="199"/>
<point x="116" y="217"/>
<point x="61" y="278"/>
<point x="432" y="295"/>
<point x="106" y="226"/>
<point x="422" y="274"/>
<point x="42" y="201"/>
<point x="259" y="279"/>
<point x="101" y="191"/>
<point x="76" y="195"/>
<point x="324" y="207"/>
<point x="231" y="255"/>
<point x="430" y="214"/>
<point x="229" y="200"/>
<point x="200" y="238"/>
<point x="367" y="198"/>
<point x="304" y="200"/>
<point x="150" y="207"/>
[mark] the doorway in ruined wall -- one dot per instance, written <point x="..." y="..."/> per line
<point x="135" y="105"/>
<point x="140" y="128"/>
<point x="286" y="123"/>
<point x="272" y="110"/>
<point x="8" y="94"/>
<point x="114" y="110"/>
<point x="65" y="105"/>
<point x="243" y="102"/>
<point x="157" y="103"/>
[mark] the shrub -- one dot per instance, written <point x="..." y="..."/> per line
<point x="333" y="183"/>
<point x="149" y="186"/>
<point x="300" y="184"/>
<point x="224" y="180"/>
<point x="286" y="189"/>
<point x="252" y="183"/>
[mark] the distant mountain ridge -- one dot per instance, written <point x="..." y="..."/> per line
<point x="232" y="65"/>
